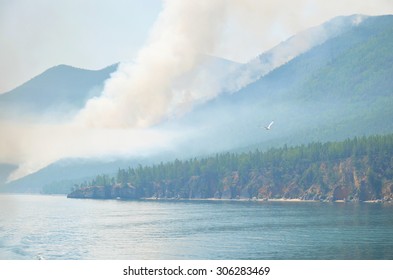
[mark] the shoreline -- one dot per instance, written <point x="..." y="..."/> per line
<point x="297" y="200"/>
<point x="260" y="200"/>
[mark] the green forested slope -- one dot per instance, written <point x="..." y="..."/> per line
<point x="339" y="89"/>
<point x="358" y="169"/>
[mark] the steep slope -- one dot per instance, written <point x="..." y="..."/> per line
<point x="291" y="48"/>
<point x="341" y="88"/>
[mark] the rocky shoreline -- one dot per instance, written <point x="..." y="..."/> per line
<point x="105" y="192"/>
<point x="130" y="193"/>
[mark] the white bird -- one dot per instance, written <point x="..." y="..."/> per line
<point x="40" y="257"/>
<point x="269" y="126"/>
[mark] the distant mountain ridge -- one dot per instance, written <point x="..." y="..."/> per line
<point x="60" y="176"/>
<point x="292" y="47"/>
<point x="65" y="89"/>
<point x="57" y="90"/>
<point x="61" y="91"/>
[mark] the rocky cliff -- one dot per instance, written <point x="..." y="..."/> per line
<point x="346" y="180"/>
<point x="106" y="192"/>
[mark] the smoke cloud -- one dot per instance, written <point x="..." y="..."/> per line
<point x="142" y="94"/>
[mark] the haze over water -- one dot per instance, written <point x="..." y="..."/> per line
<point x="53" y="227"/>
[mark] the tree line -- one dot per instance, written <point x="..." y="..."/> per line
<point x="314" y="169"/>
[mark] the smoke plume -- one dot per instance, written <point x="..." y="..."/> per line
<point x="141" y="94"/>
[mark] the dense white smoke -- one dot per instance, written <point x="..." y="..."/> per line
<point x="153" y="88"/>
<point x="142" y="93"/>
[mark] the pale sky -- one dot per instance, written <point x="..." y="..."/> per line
<point x="38" y="34"/>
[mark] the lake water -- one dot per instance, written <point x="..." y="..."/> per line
<point x="55" y="227"/>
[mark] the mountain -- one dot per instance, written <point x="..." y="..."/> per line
<point x="62" y="90"/>
<point x="60" y="176"/>
<point x="339" y="87"/>
<point x="59" y="93"/>
<point x="291" y="48"/>
<point x="56" y="91"/>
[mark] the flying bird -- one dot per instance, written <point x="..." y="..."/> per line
<point x="269" y="126"/>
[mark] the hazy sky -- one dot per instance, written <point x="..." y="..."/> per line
<point x="38" y="34"/>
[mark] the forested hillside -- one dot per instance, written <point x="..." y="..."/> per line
<point x="359" y="169"/>
<point x="337" y="90"/>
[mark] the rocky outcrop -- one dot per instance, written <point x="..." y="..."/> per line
<point x="344" y="180"/>
<point x="106" y="192"/>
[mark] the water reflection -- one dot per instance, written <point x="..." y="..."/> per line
<point x="59" y="228"/>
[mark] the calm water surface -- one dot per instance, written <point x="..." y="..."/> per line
<point x="55" y="227"/>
